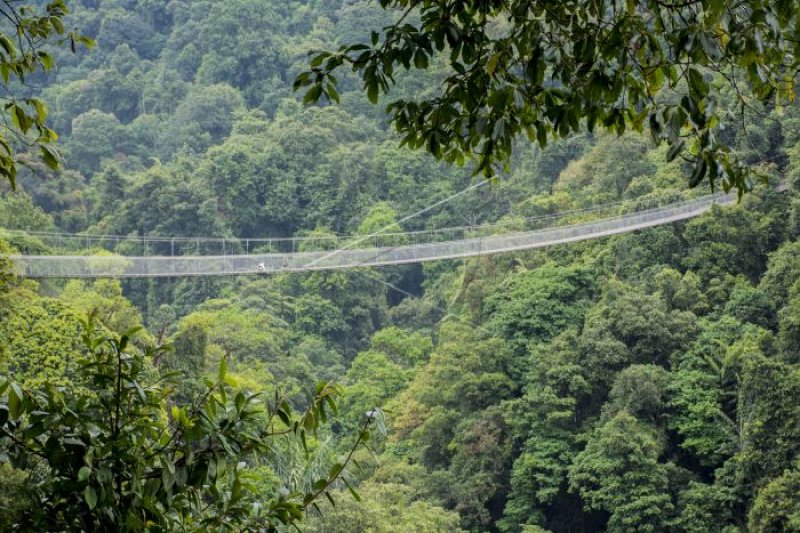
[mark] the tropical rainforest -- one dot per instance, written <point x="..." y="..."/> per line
<point x="641" y="382"/>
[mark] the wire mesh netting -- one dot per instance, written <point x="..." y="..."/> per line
<point x="98" y="256"/>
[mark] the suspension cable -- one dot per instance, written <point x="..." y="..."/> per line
<point x="404" y="219"/>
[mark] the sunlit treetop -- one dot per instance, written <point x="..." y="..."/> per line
<point x="549" y="68"/>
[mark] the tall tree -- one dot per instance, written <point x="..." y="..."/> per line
<point x="619" y="472"/>
<point x="126" y="459"/>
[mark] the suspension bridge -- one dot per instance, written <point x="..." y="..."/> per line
<point x="104" y="256"/>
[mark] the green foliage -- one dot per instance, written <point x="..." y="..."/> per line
<point x="771" y="430"/>
<point x="6" y="268"/>
<point x="789" y="329"/>
<point x="104" y="297"/>
<point x="381" y="219"/>
<point x="190" y="345"/>
<point x="482" y="455"/>
<point x="641" y="322"/>
<point x="371" y="380"/>
<point x="619" y="472"/>
<point x="19" y="212"/>
<point x="783" y="271"/>
<point x="446" y="422"/>
<point x="95" y="137"/>
<point x="536" y="305"/>
<point x="544" y="69"/>
<point x="203" y="119"/>
<point x="122" y="458"/>
<point x="697" y="403"/>
<point x="749" y="304"/>
<point x="39" y="339"/>
<point x="598" y="174"/>
<point x="246" y="334"/>
<point x="16" y="495"/>
<point x="544" y="419"/>
<point x="499" y="376"/>
<point x="707" y="507"/>
<point x="188" y="358"/>
<point x="777" y="505"/>
<point x="681" y="292"/>
<point x="404" y="347"/>
<point x="641" y="391"/>
<point x="384" y="507"/>
<point x="27" y="50"/>
<point x="735" y="240"/>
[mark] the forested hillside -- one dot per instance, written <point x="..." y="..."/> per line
<point x="643" y="382"/>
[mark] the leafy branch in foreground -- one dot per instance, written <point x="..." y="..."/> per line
<point x="123" y="458"/>
<point x="25" y="35"/>
<point x="548" y="68"/>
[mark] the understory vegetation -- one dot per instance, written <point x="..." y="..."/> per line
<point x="642" y="382"/>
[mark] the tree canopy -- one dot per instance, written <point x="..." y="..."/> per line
<point x="639" y="381"/>
<point x="548" y="69"/>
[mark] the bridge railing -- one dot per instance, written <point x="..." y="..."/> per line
<point x="404" y="248"/>
<point x="159" y="246"/>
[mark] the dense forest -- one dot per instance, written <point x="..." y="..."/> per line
<point x="642" y="382"/>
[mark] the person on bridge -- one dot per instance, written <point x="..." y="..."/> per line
<point x="262" y="268"/>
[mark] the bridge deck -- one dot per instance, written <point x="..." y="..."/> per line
<point x="116" y="266"/>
